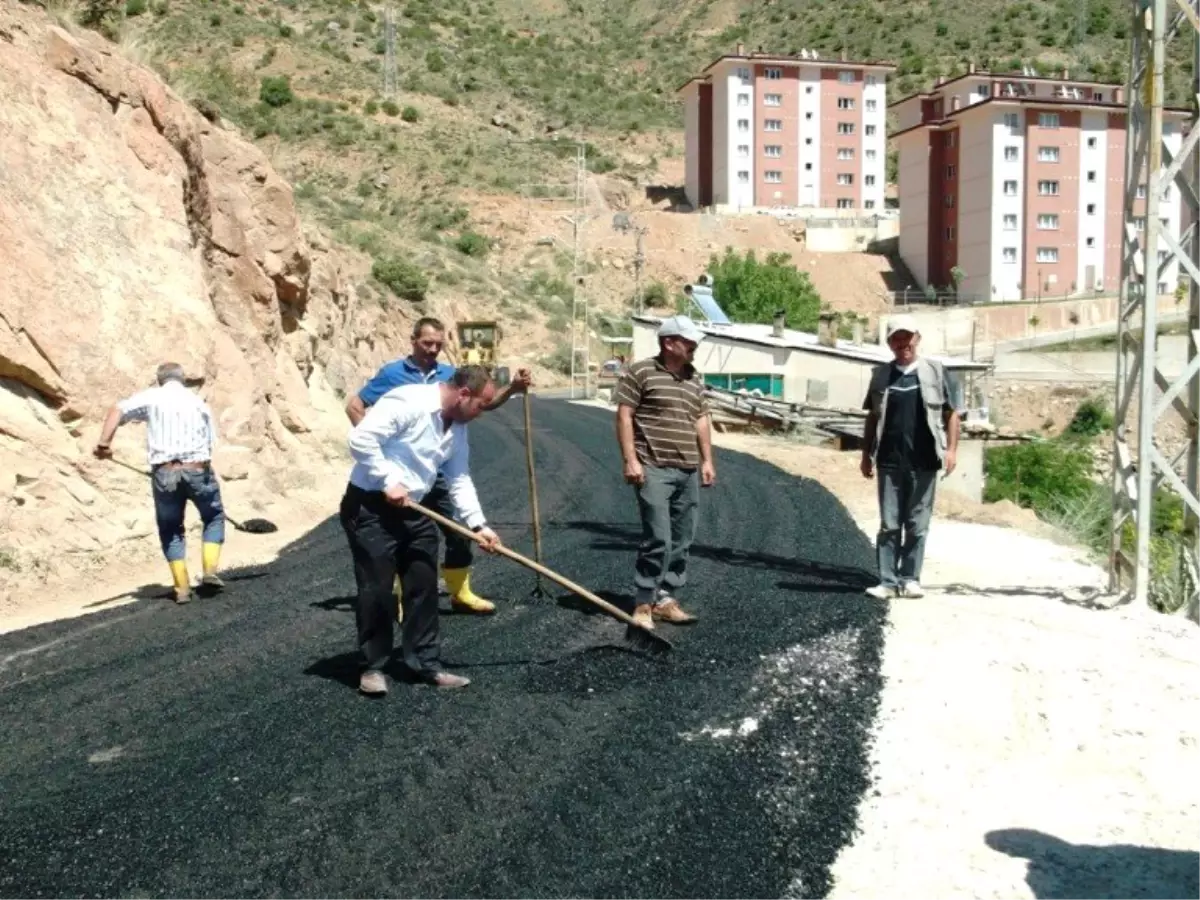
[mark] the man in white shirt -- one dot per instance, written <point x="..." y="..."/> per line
<point x="409" y="436"/>
<point x="179" y="444"/>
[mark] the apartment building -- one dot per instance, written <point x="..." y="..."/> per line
<point x="767" y="131"/>
<point x="1019" y="181"/>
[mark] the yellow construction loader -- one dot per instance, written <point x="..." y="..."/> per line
<point x="479" y="344"/>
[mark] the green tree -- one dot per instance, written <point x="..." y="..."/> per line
<point x="753" y="291"/>
<point x="276" y="90"/>
<point x="402" y="277"/>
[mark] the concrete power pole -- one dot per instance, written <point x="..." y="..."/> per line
<point x="580" y="321"/>
<point x="639" y="261"/>
<point x="389" y="60"/>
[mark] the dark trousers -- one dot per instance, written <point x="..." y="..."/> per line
<point x="172" y="489"/>
<point x="667" y="502"/>
<point x="386" y="540"/>
<point x="458" y="548"/>
<point x="906" y="498"/>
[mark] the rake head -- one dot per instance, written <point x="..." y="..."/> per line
<point x="647" y="641"/>
<point x="257" y="526"/>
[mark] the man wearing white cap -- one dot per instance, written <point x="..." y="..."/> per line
<point x="910" y="435"/>
<point x="666" y="444"/>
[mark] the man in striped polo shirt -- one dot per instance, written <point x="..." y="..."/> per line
<point x="179" y="444"/>
<point x="666" y="444"/>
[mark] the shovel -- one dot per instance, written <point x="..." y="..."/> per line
<point x="538" y="590"/>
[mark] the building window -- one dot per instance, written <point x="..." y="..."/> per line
<point x="1010" y="153"/>
<point x="845" y="128"/>
<point x="869" y="154"/>
<point x="844" y="178"/>
<point x="743" y="149"/>
<point x="949" y="201"/>
<point x="772" y="125"/>
<point x="871" y="79"/>
<point x="772" y="99"/>
<point x="1010" y="222"/>
<point x="845" y="153"/>
<point x="774" y="74"/>
<point x="743" y="100"/>
<point x="1047" y="221"/>
<point x="1012" y="121"/>
<point x="949" y="232"/>
<point x="1091" y="143"/>
<point x="846" y="77"/>
<point x="774" y="151"/>
<point x="808" y="142"/>
<point x="1091" y="176"/>
<point x="744" y="74"/>
<point x="1091" y="242"/>
<point x="743" y="177"/>
<point x="844" y="203"/>
<point x="773" y="176"/>
<point x="870" y="130"/>
<point x="1139" y="223"/>
<point x="951" y="138"/>
<point x="868" y="204"/>
<point x="1009" y="254"/>
<point x="1010" y="189"/>
<point x="1047" y="120"/>
<point x="1047" y="254"/>
<point x="1141" y="192"/>
<point x="1047" y="154"/>
<point x="845" y="103"/>
<point x="950" y="170"/>
<point x="1162" y="287"/>
<point x="1048" y="188"/>
<point x="808" y="89"/>
<point x="872" y="105"/>
<point x="743" y="124"/>
<point x="1091" y="209"/>
<point x="869" y="180"/>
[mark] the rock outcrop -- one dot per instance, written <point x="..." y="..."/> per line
<point x="134" y="230"/>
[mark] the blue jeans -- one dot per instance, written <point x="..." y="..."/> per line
<point x="667" y="503"/>
<point x="172" y="489"/>
<point x="905" y="504"/>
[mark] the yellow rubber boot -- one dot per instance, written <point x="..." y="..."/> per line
<point x="183" y="583"/>
<point x="211" y="555"/>
<point x="462" y="597"/>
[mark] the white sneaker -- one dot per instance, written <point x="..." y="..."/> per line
<point x="881" y="592"/>
<point x="913" y="589"/>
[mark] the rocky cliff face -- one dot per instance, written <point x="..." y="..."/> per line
<point x="134" y="231"/>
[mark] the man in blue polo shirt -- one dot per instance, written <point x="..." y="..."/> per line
<point x="422" y="367"/>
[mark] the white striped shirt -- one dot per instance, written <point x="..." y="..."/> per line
<point x="179" y="425"/>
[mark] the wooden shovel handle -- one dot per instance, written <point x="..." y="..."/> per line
<point x="533" y="498"/>
<point x="529" y="564"/>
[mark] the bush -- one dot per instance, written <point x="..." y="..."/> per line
<point x="276" y="91"/>
<point x="472" y="243"/>
<point x="1045" y="476"/>
<point x="286" y="31"/>
<point x="1091" y="418"/>
<point x="753" y="291"/>
<point x="402" y="278"/>
<point x="135" y="7"/>
<point x="656" y="296"/>
<point x="390" y="107"/>
<point x="434" y="61"/>
<point x="410" y="114"/>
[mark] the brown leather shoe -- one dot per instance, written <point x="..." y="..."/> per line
<point x="671" y="611"/>
<point x="643" y="616"/>
<point x="373" y="683"/>
<point x="449" y="680"/>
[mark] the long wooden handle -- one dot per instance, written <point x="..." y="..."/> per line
<point x="533" y="498"/>
<point x="530" y="564"/>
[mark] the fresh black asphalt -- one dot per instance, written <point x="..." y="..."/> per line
<point x="221" y="749"/>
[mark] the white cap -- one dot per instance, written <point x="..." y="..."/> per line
<point x="680" y="326"/>
<point x="902" y="323"/>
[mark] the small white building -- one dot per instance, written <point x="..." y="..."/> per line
<point x="793" y="366"/>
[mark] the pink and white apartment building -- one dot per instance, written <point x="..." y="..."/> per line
<point x="766" y="131"/>
<point x="1020" y="182"/>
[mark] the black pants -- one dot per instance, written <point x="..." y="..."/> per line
<point x="386" y="540"/>
<point x="458" y="548"/>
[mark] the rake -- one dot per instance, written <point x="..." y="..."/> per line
<point x="250" y="526"/>
<point x="641" y="637"/>
<point x="538" y="590"/>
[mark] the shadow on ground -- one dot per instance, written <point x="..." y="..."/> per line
<point x="1058" y="868"/>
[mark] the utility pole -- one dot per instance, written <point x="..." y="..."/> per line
<point x="639" y="260"/>
<point x="1155" y="163"/>
<point x="580" y="324"/>
<point x="389" y="60"/>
